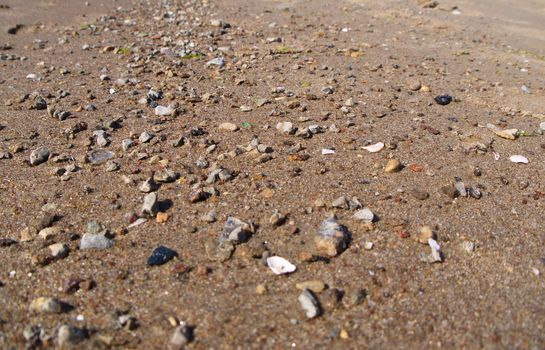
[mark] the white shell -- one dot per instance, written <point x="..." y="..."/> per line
<point x="327" y="151"/>
<point x="518" y="159"/>
<point x="374" y="148"/>
<point x="279" y="265"/>
<point x="138" y="222"/>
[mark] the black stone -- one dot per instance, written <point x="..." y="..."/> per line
<point x="443" y="100"/>
<point x="161" y="255"/>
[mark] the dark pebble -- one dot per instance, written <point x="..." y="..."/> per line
<point x="161" y="255"/>
<point x="443" y="100"/>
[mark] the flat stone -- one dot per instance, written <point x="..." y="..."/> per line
<point x="95" y="241"/>
<point x="285" y="127"/>
<point x="146" y="136"/>
<point x="236" y="231"/>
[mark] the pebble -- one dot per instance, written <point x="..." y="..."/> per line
<point x="309" y="303"/>
<point x="149" y="185"/>
<point x="414" y="85"/>
<point x="145" y="137"/>
<point x="40" y="103"/>
<point x="59" y="250"/>
<point x="219" y="252"/>
<point x="47" y="305"/>
<point x="39" y="156"/>
<point x="163" y="111"/>
<point x="332" y="238"/>
<point x="285" y="127"/>
<point x="150" y="206"/>
<point x="182" y="336"/>
<point x="70" y="335"/>
<point x="209" y="217"/>
<point x="315" y="286"/>
<point x="236" y="231"/>
<point x="393" y="166"/>
<point x="443" y="100"/>
<point x="166" y="176"/>
<point x="126" y="144"/>
<point x="95" y="241"/>
<point x="160" y="256"/>
<point x="49" y="232"/>
<point x="542" y="126"/>
<point x="228" y="127"/>
<point x="364" y="214"/>
<point x="340" y="203"/>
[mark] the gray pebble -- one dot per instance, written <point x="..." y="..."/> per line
<point x="39" y="156"/>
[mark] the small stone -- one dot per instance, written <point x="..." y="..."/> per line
<point x="148" y="186"/>
<point x="443" y="100"/>
<point x="161" y="255"/>
<point x="277" y="219"/>
<point x="40" y="103"/>
<point x="126" y="144"/>
<point x="49" y="232"/>
<point x="542" y="126"/>
<point x="162" y="217"/>
<point x="393" y="166"/>
<point x="309" y="303"/>
<point x="332" y="238"/>
<point x="364" y="214"/>
<point x="39" y="156"/>
<point x="368" y="245"/>
<point x="340" y="203"/>
<point x="260" y="289"/>
<point x="219" y="252"/>
<point x="414" y="85"/>
<point x="59" y="250"/>
<point x="163" y="111"/>
<point x="70" y="335"/>
<point x="313" y="285"/>
<point x="181" y="336"/>
<point x="228" y="127"/>
<point x="236" y="231"/>
<point x="150" y="206"/>
<point x="354" y="297"/>
<point x="95" y="241"/>
<point x="47" y="305"/>
<point x="285" y="127"/>
<point x="146" y="136"/>
<point x="166" y="176"/>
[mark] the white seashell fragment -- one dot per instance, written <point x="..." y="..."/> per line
<point x="138" y="222"/>
<point x="279" y="265"/>
<point x="374" y="148"/>
<point x="327" y="151"/>
<point x="518" y="159"/>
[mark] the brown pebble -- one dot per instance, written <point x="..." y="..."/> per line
<point x="393" y="166"/>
